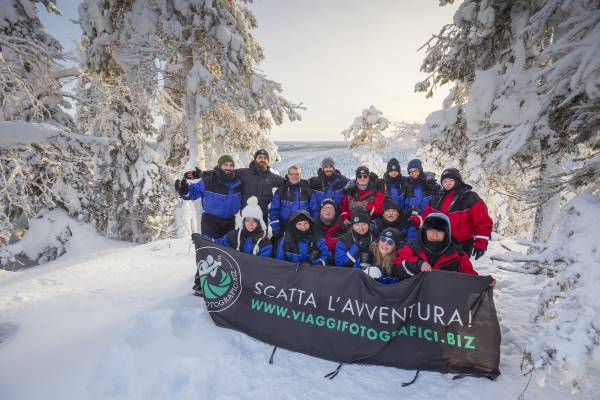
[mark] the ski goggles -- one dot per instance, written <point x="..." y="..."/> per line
<point x="387" y="240"/>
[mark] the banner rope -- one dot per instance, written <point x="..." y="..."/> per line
<point x="334" y="373"/>
<point x="413" y="380"/>
<point x="272" y="354"/>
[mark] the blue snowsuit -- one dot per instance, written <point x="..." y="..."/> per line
<point x="326" y="188"/>
<point x="242" y="240"/>
<point x="298" y="249"/>
<point x="286" y="201"/>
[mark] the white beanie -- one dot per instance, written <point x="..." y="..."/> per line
<point x="252" y="210"/>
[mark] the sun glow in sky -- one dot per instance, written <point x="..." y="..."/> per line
<point x="336" y="57"/>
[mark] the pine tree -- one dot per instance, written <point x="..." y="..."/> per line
<point x="133" y="185"/>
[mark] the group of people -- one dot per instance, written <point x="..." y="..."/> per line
<point x="392" y="227"/>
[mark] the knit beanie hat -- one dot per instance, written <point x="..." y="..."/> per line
<point x="451" y="173"/>
<point x="252" y="210"/>
<point x="300" y="215"/>
<point x="224" y="159"/>
<point x="393" y="165"/>
<point x="327" y="161"/>
<point x="328" y="201"/>
<point x="415" y="163"/>
<point x="261" y="152"/>
<point x="390" y="204"/>
<point x="359" y="216"/>
<point x="392" y="233"/>
<point x="362" y="171"/>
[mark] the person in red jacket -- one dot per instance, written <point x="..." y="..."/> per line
<point x="328" y="226"/>
<point x="432" y="249"/>
<point x="363" y="193"/>
<point x="469" y="218"/>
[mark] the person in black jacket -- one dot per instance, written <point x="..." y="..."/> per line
<point x="258" y="180"/>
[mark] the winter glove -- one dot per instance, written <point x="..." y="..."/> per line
<point x="479" y="248"/>
<point x="182" y="187"/>
<point x="196" y="174"/>
<point x="477" y="253"/>
<point x="373" y="272"/>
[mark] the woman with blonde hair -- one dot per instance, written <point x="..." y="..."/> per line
<point x="384" y="252"/>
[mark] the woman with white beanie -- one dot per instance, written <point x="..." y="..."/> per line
<point x="251" y="238"/>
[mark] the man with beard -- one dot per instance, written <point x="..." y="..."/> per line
<point x="394" y="217"/>
<point x="353" y="249"/>
<point x="419" y="189"/>
<point x="299" y="244"/>
<point x="433" y="249"/>
<point x="294" y="195"/>
<point x="328" y="226"/>
<point x="258" y="180"/>
<point x="468" y="215"/>
<point x="328" y="184"/>
<point x="220" y="191"/>
<point x="393" y="183"/>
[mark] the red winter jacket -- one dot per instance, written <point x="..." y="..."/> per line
<point x="372" y="196"/>
<point x="331" y="233"/>
<point x="469" y="218"/>
<point x="412" y="255"/>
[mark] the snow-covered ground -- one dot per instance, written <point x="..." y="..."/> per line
<point x="111" y="320"/>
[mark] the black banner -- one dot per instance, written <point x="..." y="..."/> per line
<point x="438" y="321"/>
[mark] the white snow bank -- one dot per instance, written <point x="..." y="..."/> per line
<point x="52" y="234"/>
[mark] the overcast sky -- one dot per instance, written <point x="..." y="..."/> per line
<point x="335" y="56"/>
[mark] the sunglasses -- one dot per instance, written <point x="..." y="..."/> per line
<point x="363" y="176"/>
<point x="387" y="240"/>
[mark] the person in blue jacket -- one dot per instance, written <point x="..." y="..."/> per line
<point x="299" y="242"/>
<point x="294" y="195"/>
<point x="395" y="217"/>
<point x="353" y="249"/>
<point x="220" y="190"/>
<point x="393" y="183"/>
<point x="251" y="238"/>
<point x="328" y="184"/>
<point x="419" y="188"/>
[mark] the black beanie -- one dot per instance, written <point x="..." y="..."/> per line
<point x="328" y="201"/>
<point x="451" y="173"/>
<point x="260" y="152"/>
<point x="389" y="203"/>
<point x="300" y="215"/>
<point x="362" y="171"/>
<point x="359" y="216"/>
<point x="392" y="233"/>
<point x="393" y="165"/>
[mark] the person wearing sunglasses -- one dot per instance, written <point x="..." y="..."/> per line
<point x="384" y="252"/>
<point x="362" y="193"/>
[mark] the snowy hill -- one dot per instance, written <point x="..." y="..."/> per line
<point x="113" y="320"/>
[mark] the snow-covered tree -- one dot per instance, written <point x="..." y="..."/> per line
<point x="134" y="198"/>
<point x="526" y="88"/>
<point x="30" y="73"/>
<point x="522" y="120"/>
<point x="367" y="129"/>
<point x="406" y="132"/>
<point x="208" y="51"/>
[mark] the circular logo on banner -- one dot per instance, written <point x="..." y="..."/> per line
<point x="220" y="278"/>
